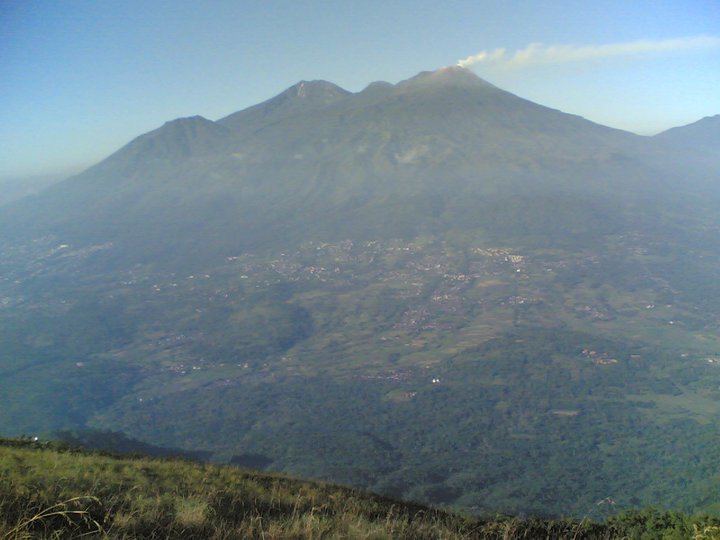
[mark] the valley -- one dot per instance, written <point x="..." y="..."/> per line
<point x="385" y="359"/>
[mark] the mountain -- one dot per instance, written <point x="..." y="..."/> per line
<point x="435" y="289"/>
<point x="298" y="99"/>
<point x="181" y="138"/>
<point x="703" y="133"/>
<point x="700" y="142"/>
<point x="415" y="157"/>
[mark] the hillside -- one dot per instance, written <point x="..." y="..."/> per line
<point x="705" y="133"/>
<point x="435" y="290"/>
<point x="699" y="141"/>
<point x="48" y="490"/>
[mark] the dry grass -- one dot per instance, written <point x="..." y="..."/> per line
<point x="112" y="498"/>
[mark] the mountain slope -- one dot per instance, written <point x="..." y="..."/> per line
<point x="703" y="133"/>
<point x="404" y="160"/>
<point x="697" y="147"/>
<point x="300" y="98"/>
<point x="176" y="499"/>
<point x="435" y="289"/>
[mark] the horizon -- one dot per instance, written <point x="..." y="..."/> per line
<point x="440" y="288"/>
<point x="82" y="80"/>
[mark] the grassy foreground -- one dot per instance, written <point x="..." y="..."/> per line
<point x="51" y="491"/>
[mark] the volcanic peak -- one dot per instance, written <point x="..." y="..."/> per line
<point x="446" y="76"/>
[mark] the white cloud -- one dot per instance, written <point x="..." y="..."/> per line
<point x="538" y="53"/>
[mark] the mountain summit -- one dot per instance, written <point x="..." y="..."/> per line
<point x="299" y="98"/>
<point x="447" y="76"/>
<point x="183" y="137"/>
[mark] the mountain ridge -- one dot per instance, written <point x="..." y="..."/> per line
<point x="703" y="132"/>
<point x="343" y="154"/>
<point x="320" y="94"/>
<point x="299" y="98"/>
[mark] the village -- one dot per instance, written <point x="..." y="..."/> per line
<point x="417" y="295"/>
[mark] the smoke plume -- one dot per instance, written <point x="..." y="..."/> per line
<point x="539" y="54"/>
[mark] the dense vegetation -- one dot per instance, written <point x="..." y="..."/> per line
<point x="558" y="378"/>
<point x="53" y="491"/>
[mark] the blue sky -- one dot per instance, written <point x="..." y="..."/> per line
<point x="78" y="79"/>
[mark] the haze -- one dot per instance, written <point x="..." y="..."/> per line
<point x="434" y="289"/>
<point x="80" y="79"/>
